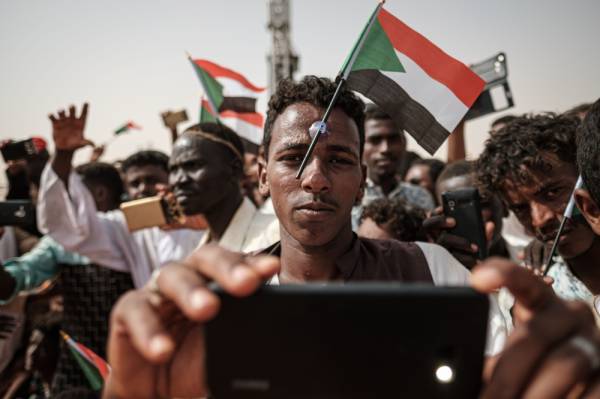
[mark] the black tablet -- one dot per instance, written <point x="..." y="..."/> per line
<point x="348" y="341"/>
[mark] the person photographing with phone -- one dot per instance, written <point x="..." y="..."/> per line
<point x="204" y="178"/>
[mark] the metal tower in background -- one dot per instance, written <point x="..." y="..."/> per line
<point x="282" y="60"/>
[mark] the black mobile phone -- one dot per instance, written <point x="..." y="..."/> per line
<point x="352" y="341"/>
<point x="19" y="150"/>
<point x="464" y="206"/>
<point x="17" y="213"/>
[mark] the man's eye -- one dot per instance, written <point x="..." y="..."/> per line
<point x="341" y="161"/>
<point x="292" y="158"/>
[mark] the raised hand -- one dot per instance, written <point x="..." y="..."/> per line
<point x="67" y="129"/>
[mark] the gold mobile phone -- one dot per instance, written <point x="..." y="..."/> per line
<point x="151" y="212"/>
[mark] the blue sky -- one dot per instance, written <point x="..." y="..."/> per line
<point x="127" y="58"/>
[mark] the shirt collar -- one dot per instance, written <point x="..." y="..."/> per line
<point x="235" y="234"/>
<point x="346" y="264"/>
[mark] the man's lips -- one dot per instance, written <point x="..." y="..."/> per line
<point x="316" y="207"/>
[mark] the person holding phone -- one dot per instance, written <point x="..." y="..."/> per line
<point x="463" y="243"/>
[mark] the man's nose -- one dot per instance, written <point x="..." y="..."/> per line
<point x="384" y="146"/>
<point x="314" y="178"/>
<point x="541" y="215"/>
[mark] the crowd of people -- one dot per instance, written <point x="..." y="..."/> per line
<point x="364" y="209"/>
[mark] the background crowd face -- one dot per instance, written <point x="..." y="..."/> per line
<point x="142" y="181"/>
<point x="385" y="145"/>
<point x="539" y="206"/>
<point x="314" y="209"/>
<point x="420" y="175"/>
<point x="201" y="174"/>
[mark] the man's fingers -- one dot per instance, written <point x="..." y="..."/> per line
<point x="87" y="142"/>
<point x="52" y="118"/>
<point x="527" y="348"/>
<point x="454" y="242"/>
<point x="71" y="113"/>
<point x="562" y="370"/>
<point x="527" y="288"/>
<point x="232" y="271"/>
<point x="84" y="112"/>
<point x="266" y="266"/>
<point x="61" y="114"/>
<point x="135" y="317"/>
<point x="187" y="289"/>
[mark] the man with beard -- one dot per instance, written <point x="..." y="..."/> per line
<point x="385" y="145"/>
<point x="531" y="164"/>
<point x="203" y="176"/>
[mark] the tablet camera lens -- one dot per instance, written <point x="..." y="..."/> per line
<point x="444" y="374"/>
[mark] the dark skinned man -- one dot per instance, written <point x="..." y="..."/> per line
<point x="201" y="161"/>
<point x="384" y="148"/>
<point x="144" y="172"/>
<point x="153" y="357"/>
<point x="531" y="164"/>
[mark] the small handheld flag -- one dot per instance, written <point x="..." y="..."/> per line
<point x="343" y="75"/>
<point x="229" y="98"/>
<point x="568" y="214"/>
<point x="95" y="369"/>
<point x="126" y="127"/>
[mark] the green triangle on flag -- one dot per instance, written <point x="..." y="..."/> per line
<point x="93" y="366"/>
<point x="213" y="90"/>
<point x="205" y="114"/>
<point x="377" y="52"/>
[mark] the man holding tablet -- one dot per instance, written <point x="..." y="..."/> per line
<point x="157" y="336"/>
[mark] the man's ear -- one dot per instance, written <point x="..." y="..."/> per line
<point x="363" y="184"/>
<point x="589" y="208"/>
<point x="263" y="182"/>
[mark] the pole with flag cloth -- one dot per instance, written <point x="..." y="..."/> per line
<point x="95" y="369"/>
<point x="568" y="214"/>
<point x="213" y="90"/>
<point x="124" y="128"/>
<point x="235" y="98"/>
<point x="321" y="127"/>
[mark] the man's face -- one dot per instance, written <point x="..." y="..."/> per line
<point x="141" y="181"/>
<point x="419" y="176"/>
<point x="314" y="209"/>
<point x="539" y="206"/>
<point x="201" y="174"/>
<point x="385" y="145"/>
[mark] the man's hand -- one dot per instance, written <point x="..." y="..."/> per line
<point x="554" y="351"/>
<point x="156" y="345"/>
<point x="437" y="227"/>
<point x="67" y="129"/>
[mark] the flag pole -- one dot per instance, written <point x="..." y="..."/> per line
<point x="568" y="214"/>
<point x="210" y="100"/>
<point x="343" y="75"/>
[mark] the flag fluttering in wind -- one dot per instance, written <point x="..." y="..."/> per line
<point x="127" y="127"/>
<point x="95" y="369"/>
<point x="424" y="90"/>
<point x="230" y="98"/>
